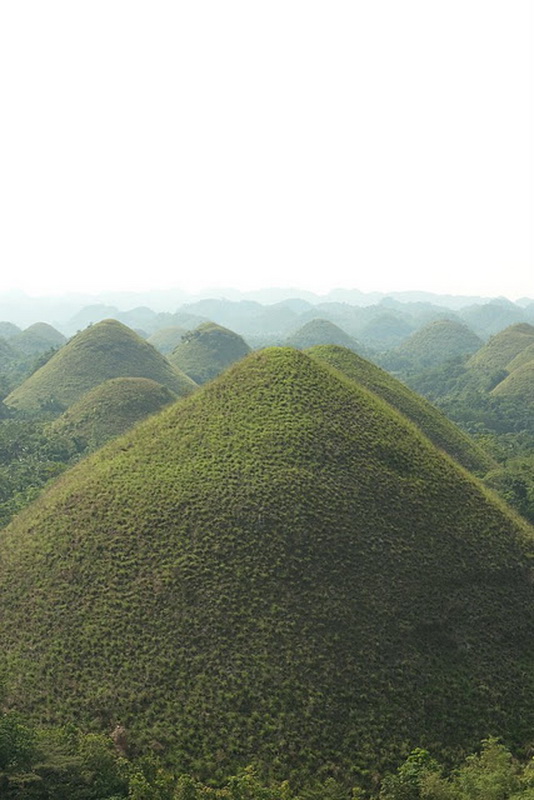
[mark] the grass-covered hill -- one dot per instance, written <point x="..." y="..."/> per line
<point x="502" y="348"/>
<point x="166" y="339"/>
<point x="521" y="358"/>
<point x="438" y="342"/>
<point x="7" y="354"/>
<point x="8" y="329"/>
<point x="279" y="569"/>
<point x="106" y="350"/>
<point x="38" y="338"/>
<point x="519" y="385"/>
<point x="322" y="331"/>
<point x="111" y="408"/>
<point x="208" y="350"/>
<point x="385" y="331"/>
<point x="441" y="431"/>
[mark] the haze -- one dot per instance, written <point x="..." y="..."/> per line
<point x="376" y="145"/>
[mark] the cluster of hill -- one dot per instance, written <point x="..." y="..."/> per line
<point x="281" y="569"/>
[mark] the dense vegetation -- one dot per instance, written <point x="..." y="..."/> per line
<point x="279" y="570"/>
<point x="106" y="350"/>
<point x="434" y="344"/>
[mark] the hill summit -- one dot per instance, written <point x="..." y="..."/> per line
<point x="106" y="350"/>
<point x="279" y="569"/>
<point x="208" y="350"/>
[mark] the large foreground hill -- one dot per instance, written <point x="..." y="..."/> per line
<point x="280" y="569"/>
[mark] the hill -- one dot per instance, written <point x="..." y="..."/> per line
<point x="521" y="358"/>
<point x="166" y="339"/>
<point x="518" y="386"/>
<point x="281" y="570"/>
<point x="441" y="431"/>
<point x="322" y="331"/>
<point x="207" y="351"/>
<point x="502" y="348"/>
<point x="385" y="330"/>
<point x="438" y="342"/>
<point x="38" y="338"/>
<point x="7" y="330"/>
<point x="106" y="350"/>
<point x="111" y="408"/>
<point x="7" y="354"/>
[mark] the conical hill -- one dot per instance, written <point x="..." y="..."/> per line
<point x="439" y="341"/>
<point x="502" y="348"/>
<point x="322" y="331"/>
<point x="166" y="339"/>
<point x="519" y="385"/>
<point x="208" y="350"/>
<point x="38" y="338"/>
<point x="440" y="430"/>
<point x="279" y="569"/>
<point x="521" y="358"/>
<point x="110" y="409"/>
<point x="106" y="350"/>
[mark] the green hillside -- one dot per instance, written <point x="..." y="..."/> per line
<point x="519" y="385"/>
<point x="438" y="342"/>
<point x="38" y="338"/>
<point x="111" y="408"/>
<point x="7" y="354"/>
<point x="106" y="350"/>
<point x="166" y="339"/>
<point x="207" y="351"/>
<point x="521" y="358"/>
<point x="441" y="431"/>
<point x="8" y="329"/>
<point x="322" y="331"/>
<point x="502" y="348"/>
<point x="281" y="570"/>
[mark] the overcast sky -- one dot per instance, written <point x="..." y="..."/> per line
<point x="371" y="144"/>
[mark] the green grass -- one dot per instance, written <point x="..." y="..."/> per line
<point x="438" y="342"/>
<point x="502" y="348"/>
<point x="166" y="339"/>
<point x="106" y="350"/>
<point x="519" y="385"/>
<point x="441" y="431"/>
<point x="521" y="358"/>
<point x="280" y="569"/>
<point x="208" y="350"/>
<point x="322" y="331"/>
<point x="38" y="338"/>
<point x="110" y="409"/>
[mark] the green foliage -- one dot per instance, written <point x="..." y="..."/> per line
<point x="502" y="348"/>
<point x="323" y="332"/>
<point x="208" y="350"/>
<point x="281" y="571"/>
<point x="106" y="350"/>
<point x="433" y="345"/>
<point x="38" y="338"/>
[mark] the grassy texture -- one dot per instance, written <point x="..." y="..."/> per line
<point x="502" y="348"/>
<point x="441" y="431"/>
<point x="322" y="331"/>
<point x="166" y="339"/>
<point x="438" y="342"/>
<point x="106" y="350"/>
<point x="280" y="569"/>
<point x="519" y="385"/>
<point x="208" y="350"/>
<point x="110" y="409"/>
<point x="38" y="338"/>
<point x="521" y="358"/>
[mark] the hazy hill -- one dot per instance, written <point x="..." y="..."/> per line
<point x="166" y="339"/>
<point x="490" y="318"/>
<point x="438" y="342"/>
<point x="38" y="338"/>
<point x="280" y="569"/>
<point x="385" y="331"/>
<point x="110" y="409"/>
<point x="321" y="331"/>
<point x="208" y="350"/>
<point x="7" y="330"/>
<point x="7" y="354"/>
<point x="441" y="431"/>
<point x="106" y="350"/>
<point x="502" y="348"/>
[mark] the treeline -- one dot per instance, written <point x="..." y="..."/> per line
<point x="63" y="763"/>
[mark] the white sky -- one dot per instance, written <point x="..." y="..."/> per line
<point x="371" y="144"/>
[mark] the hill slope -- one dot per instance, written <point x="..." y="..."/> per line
<point x="38" y="338"/>
<point x="111" y="408"/>
<point x="207" y="351"/>
<point x="166" y="339"/>
<point x="519" y="385"/>
<point x="322" y="331"/>
<point x="441" y="431"/>
<point x="106" y="350"/>
<point x="502" y="348"/>
<point x="279" y="569"/>
<point x="438" y="342"/>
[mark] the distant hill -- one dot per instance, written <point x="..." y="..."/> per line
<point x="321" y="331"/>
<point x="166" y="339"/>
<point x="7" y="330"/>
<point x="37" y="339"/>
<point x="207" y="351"/>
<point x="502" y="348"/>
<point x="438" y="342"/>
<point x="489" y="318"/>
<point x="385" y="331"/>
<point x="432" y="422"/>
<point x="110" y="409"/>
<point x="279" y="570"/>
<point x="106" y="350"/>
<point x="7" y="354"/>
